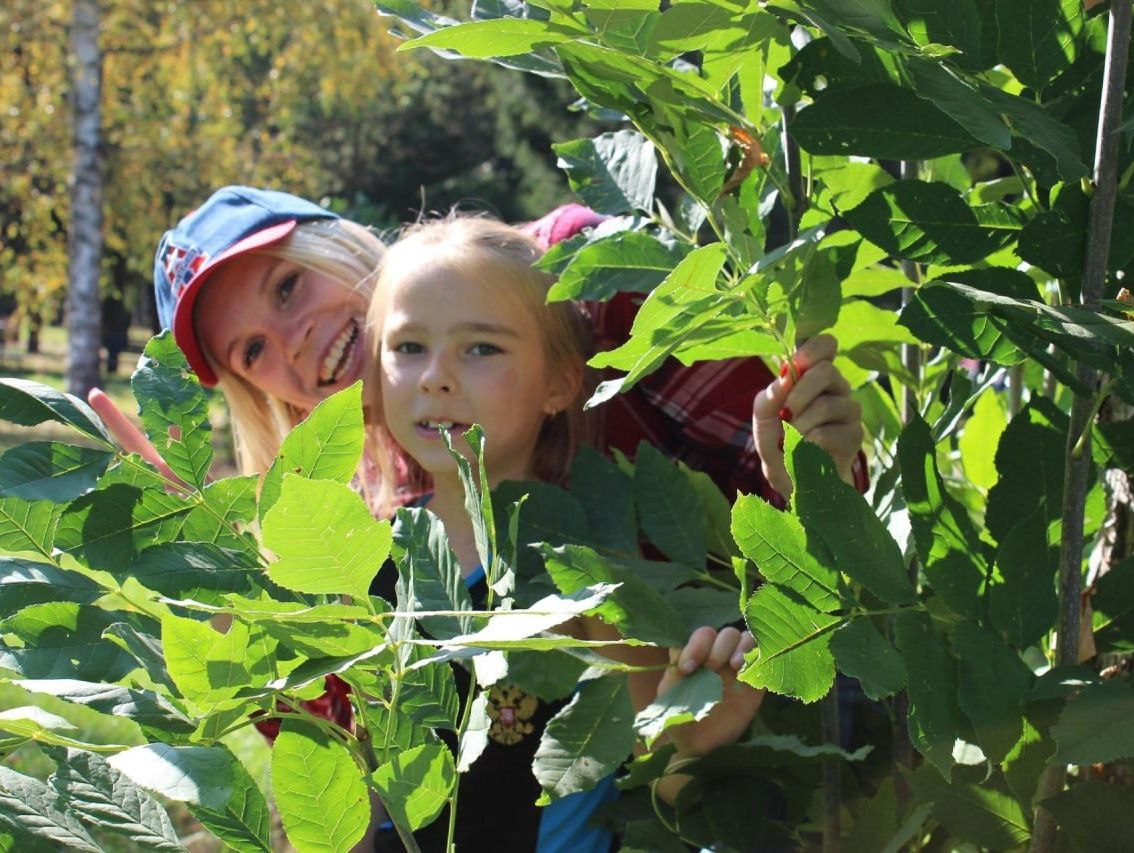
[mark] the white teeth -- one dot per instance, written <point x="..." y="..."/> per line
<point x="438" y="424"/>
<point x="336" y="359"/>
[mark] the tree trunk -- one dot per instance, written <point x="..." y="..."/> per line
<point x="85" y="239"/>
<point x="35" y="324"/>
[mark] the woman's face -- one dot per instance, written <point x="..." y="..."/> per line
<point x="294" y="333"/>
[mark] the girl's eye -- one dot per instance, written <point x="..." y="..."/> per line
<point x="408" y="348"/>
<point x="285" y="287"/>
<point x="484" y="349"/>
<point x="252" y="352"/>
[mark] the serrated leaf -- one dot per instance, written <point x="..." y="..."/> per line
<point x="63" y="640"/>
<point x="144" y="650"/>
<point x="194" y="570"/>
<point x="881" y="121"/>
<point x="992" y="684"/>
<point x="1095" y="816"/>
<point x="416" y="784"/>
<point x="934" y="717"/>
<point x="229" y="508"/>
<point x="606" y="495"/>
<point x="587" y="740"/>
<point x="25" y="582"/>
<point x="29" y="806"/>
<point x="625" y="261"/>
<point x="1022" y="600"/>
<point x="326" y="445"/>
<point x="141" y="706"/>
<point x="107" y="800"/>
<point x="1094" y="727"/>
<point x="690" y="699"/>
<point x="980" y="437"/>
<point x="318" y="789"/>
<point x="973" y="810"/>
<point x="207" y="666"/>
<point x="487" y="39"/>
<point x="770" y="751"/>
<point x="31" y="403"/>
<point x="109" y="527"/>
<point x="28" y="526"/>
<point x="634" y="608"/>
<point x="173" y="409"/>
<point x="962" y="101"/>
<point x="670" y="511"/>
<point x="324" y="537"/>
<point x="837" y="516"/>
<point x="776" y="543"/>
<point x="791" y="655"/>
<point x="612" y="173"/>
<point x="51" y="470"/>
<point x="429" y="576"/>
<point x="1038" y="38"/>
<point x="863" y="653"/>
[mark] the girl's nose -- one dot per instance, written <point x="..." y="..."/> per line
<point x="297" y="337"/>
<point x="437" y="377"/>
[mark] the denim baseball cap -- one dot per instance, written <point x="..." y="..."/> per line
<point x="233" y="221"/>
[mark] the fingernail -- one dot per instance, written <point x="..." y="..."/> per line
<point x="784" y="369"/>
<point x="737" y="661"/>
<point x="785" y="414"/>
<point x="687" y="667"/>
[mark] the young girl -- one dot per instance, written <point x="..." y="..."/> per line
<point x="462" y="334"/>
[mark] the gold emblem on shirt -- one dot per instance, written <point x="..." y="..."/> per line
<point x="510" y="710"/>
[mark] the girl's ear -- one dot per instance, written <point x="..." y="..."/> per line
<point x="563" y="389"/>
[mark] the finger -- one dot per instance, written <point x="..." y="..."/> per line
<point x="822" y="378"/>
<point x="814" y="350"/>
<point x="747" y="643"/>
<point x="768" y="435"/>
<point x="723" y="647"/>
<point x="132" y="439"/>
<point x="697" y="650"/>
<point x="827" y="410"/>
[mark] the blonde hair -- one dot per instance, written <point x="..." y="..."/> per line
<point x="491" y="252"/>
<point x="338" y="248"/>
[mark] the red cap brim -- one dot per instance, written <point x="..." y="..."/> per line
<point x="184" y="331"/>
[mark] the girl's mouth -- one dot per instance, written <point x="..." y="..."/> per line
<point x="339" y="354"/>
<point x="429" y="428"/>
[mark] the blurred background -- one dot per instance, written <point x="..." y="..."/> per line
<point x="311" y="97"/>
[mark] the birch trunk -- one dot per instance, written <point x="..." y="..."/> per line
<point x="85" y="238"/>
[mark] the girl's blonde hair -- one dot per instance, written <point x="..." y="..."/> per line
<point x="338" y="248"/>
<point x="496" y="254"/>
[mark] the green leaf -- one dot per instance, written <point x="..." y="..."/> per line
<point x="1034" y="125"/>
<point x="1038" y="39"/>
<point x="947" y="541"/>
<point x="194" y="570"/>
<point x="63" y="640"/>
<point x="109" y="527"/>
<point x="144" y="650"/>
<point x="318" y="789"/>
<point x="770" y="751"/>
<point x="326" y="445"/>
<point x="29" y="806"/>
<point x="29" y="403"/>
<point x="993" y="681"/>
<point x="612" y="173"/>
<point x="815" y="302"/>
<point x="1095" y="816"/>
<point x="776" y="543"/>
<point x="980" y="437"/>
<point x="606" y="495"/>
<point x="429" y="576"/>
<point x="487" y="39"/>
<point x="173" y="408"/>
<point x="229" y="508"/>
<point x="548" y="675"/>
<point x="207" y="666"/>
<point x="107" y="800"/>
<point x="478" y="505"/>
<point x="416" y="784"/>
<point x="625" y="261"/>
<point x="1094" y="727"/>
<point x="933" y="715"/>
<point x="1113" y="605"/>
<point x="881" y="121"/>
<point x="863" y="653"/>
<point x="929" y="222"/>
<point x="1029" y="459"/>
<point x="697" y="25"/>
<point x="25" y="582"/>
<point x="1056" y="239"/>
<point x="960" y="100"/>
<point x="219" y="791"/>
<point x="956" y="23"/>
<point x="791" y="655"/>
<point x="51" y="470"/>
<point x="634" y="608"/>
<point x="625" y="29"/>
<point x="670" y="511"/>
<point x="835" y="514"/>
<point x="1022" y="601"/>
<point x="587" y="740"/>
<point x="144" y="707"/>
<point x="972" y="809"/>
<point x="875" y="17"/>
<point x="690" y="699"/>
<point x="325" y="539"/>
<point x="668" y="308"/>
<point x="28" y="526"/>
<point x="429" y="695"/>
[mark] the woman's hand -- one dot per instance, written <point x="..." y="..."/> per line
<point x="131" y="439"/>
<point x="816" y="399"/>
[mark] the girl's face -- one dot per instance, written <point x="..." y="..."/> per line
<point x="294" y="333"/>
<point x="457" y="351"/>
